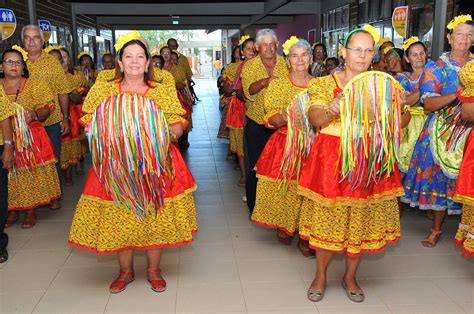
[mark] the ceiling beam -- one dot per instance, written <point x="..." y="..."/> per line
<point x="236" y="8"/>
<point x="184" y="26"/>
<point x="269" y="7"/>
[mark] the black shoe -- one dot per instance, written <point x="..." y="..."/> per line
<point x="3" y="256"/>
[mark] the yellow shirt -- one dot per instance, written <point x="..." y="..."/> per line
<point x="184" y="64"/>
<point x="230" y="71"/>
<point x="6" y="110"/>
<point x="168" y="102"/>
<point x="34" y="95"/>
<point x="47" y="69"/>
<point x="280" y="93"/>
<point x="253" y="71"/>
<point x="77" y="80"/>
<point x="178" y="73"/>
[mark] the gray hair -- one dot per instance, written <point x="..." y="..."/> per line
<point x="301" y="44"/>
<point x="266" y="32"/>
<point x="31" y="26"/>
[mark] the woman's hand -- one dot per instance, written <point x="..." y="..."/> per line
<point x="176" y="131"/>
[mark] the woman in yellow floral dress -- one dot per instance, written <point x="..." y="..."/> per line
<point x="35" y="181"/>
<point x="104" y="225"/>
<point x="279" y="206"/>
<point x="336" y="217"/>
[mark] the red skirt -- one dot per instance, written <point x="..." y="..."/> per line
<point x="182" y="182"/>
<point x="185" y="102"/>
<point x="75" y="114"/>
<point x="320" y="178"/>
<point x="464" y="191"/>
<point x="269" y="162"/>
<point x="43" y="150"/>
<point x="235" y="113"/>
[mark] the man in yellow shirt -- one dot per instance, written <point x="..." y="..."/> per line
<point x="257" y="73"/>
<point x="46" y="68"/>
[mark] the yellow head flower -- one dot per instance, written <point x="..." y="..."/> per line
<point x="458" y="20"/>
<point x="387" y="50"/>
<point x="289" y="43"/>
<point x="410" y="41"/>
<point x="162" y="46"/>
<point x="315" y="44"/>
<point x="372" y="31"/>
<point x="125" y="38"/>
<point x="243" y="39"/>
<point x="22" y="51"/>
<point x="155" y="54"/>
<point x="81" y="54"/>
<point x="339" y="52"/>
<point x="51" y="47"/>
<point x="383" y="41"/>
<point x="105" y="53"/>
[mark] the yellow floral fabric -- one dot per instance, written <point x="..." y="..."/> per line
<point x="184" y="64"/>
<point x="236" y="139"/>
<point x="168" y="102"/>
<point x="103" y="227"/>
<point x="465" y="234"/>
<point x="71" y="152"/>
<point x="34" y="187"/>
<point x="178" y="73"/>
<point x="280" y="93"/>
<point x="76" y="80"/>
<point x="48" y="70"/>
<point x="34" y="94"/>
<point x="410" y="136"/>
<point x="351" y="230"/>
<point x="230" y="71"/>
<point x="276" y="207"/>
<point x="6" y="110"/>
<point x="253" y="71"/>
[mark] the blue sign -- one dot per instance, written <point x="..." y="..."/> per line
<point x="7" y="23"/>
<point x="46" y="28"/>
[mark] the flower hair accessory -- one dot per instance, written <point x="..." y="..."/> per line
<point x="51" y="48"/>
<point x="387" y="50"/>
<point x="81" y="54"/>
<point x="372" y="31"/>
<point x="458" y="20"/>
<point x="155" y="54"/>
<point x="410" y="41"/>
<point x="289" y="43"/>
<point x="162" y="46"/>
<point x="125" y="38"/>
<point x="105" y="53"/>
<point x="383" y="41"/>
<point x="24" y="54"/>
<point x="243" y="39"/>
<point x="315" y="44"/>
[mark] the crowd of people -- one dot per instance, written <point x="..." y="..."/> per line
<point x="329" y="148"/>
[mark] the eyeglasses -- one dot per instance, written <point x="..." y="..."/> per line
<point x="358" y="51"/>
<point x="13" y="62"/>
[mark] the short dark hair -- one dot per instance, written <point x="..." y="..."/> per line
<point x="87" y="56"/>
<point x="25" y="73"/>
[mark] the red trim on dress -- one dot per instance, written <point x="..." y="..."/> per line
<point x="273" y="226"/>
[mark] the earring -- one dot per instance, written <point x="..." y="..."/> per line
<point x="121" y="69"/>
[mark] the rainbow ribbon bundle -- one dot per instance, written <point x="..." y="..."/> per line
<point x="130" y="145"/>
<point x="299" y="137"/>
<point x="23" y="139"/>
<point x="458" y="129"/>
<point x="370" y="128"/>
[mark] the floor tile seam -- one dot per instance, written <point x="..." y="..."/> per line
<point x="446" y="294"/>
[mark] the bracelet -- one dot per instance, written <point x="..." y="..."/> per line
<point x="65" y="117"/>
<point x="328" y="114"/>
<point x="36" y="115"/>
<point x="8" y="142"/>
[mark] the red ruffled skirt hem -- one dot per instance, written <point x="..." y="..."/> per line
<point x="235" y="113"/>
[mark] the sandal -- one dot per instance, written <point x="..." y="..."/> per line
<point x="283" y="237"/>
<point x="305" y="249"/>
<point x="118" y="285"/>
<point x="353" y="295"/>
<point x="432" y="238"/>
<point x="55" y="205"/>
<point x="29" y="222"/>
<point x="12" y="218"/>
<point x="157" y="285"/>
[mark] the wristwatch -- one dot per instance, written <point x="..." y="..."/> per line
<point x="8" y="142"/>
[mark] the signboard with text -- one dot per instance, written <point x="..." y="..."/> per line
<point x="400" y="20"/>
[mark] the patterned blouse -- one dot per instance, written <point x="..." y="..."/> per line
<point x="6" y="111"/>
<point x="253" y="71"/>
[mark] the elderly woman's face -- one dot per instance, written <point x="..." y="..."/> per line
<point x="249" y="50"/>
<point x="299" y="59"/>
<point x="134" y="61"/>
<point x="462" y="37"/>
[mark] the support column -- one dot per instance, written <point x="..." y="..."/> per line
<point x="113" y="41"/>
<point x="75" y="37"/>
<point x="439" y="28"/>
<point x="32" y="12"/>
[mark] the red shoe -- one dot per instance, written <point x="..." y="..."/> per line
<point x="29" y="222"/>
<point x="118" y="285"/>
<point x="157" y="285"/>
<point x="12" y="218"/>
<point x="283" y="237"/>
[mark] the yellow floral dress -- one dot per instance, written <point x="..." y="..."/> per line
<point x="184" y="95"/>
<point x="277" y="206"/>
<point x="71" y="146"/>
<point x="48" y="70"/>
<point x="34" y="183"/>
<point x="101" y="226"/>
<point x="6" y="110"/>
<point x="334" y="216"/>
<point x="235" y="112"/>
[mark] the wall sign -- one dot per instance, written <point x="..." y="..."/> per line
<point x="45" y="27"/>
<point x="7" y="23"/>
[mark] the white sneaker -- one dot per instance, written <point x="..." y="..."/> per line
<point x="244" y="199"/>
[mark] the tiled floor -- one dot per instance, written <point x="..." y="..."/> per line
<point x="233" y="267"/>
